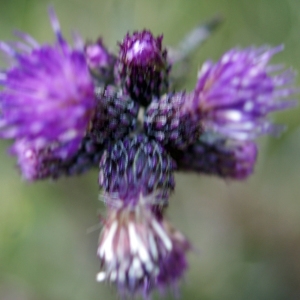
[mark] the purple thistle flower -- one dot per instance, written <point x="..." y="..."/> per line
<point x="142" y="68"/>
<point x="34" y="164"/>
<point x="235" y="95"/>
<point x="136" y="167"/>
<point x="48" y="95"/>
<point x="172" y="120"/>
<point x="139" y="252"/>
<point x="100" y="61"/>
<point x="217" y="156"/>
<point x="69" y="109"/>
<point x="37" y="164"/>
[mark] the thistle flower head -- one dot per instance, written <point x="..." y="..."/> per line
<point x="48" y="95"/>
<point x="115" y="115"/>
<point x="235" y="95"/>
<point x="139" y="253"/>
<point x="34" y="164"/>
<point x="173" y="120"/>
<point x="136" y="168"/>
<point x="142" y="49"/>
<point x="100" y="61"/>
<point x="41" y="163"/>
<point x="213" y="155"/>
<point x="142" y="68"/>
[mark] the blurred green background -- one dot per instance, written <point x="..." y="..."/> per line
<point x="246" y="235"/>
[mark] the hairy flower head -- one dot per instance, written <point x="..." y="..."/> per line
<point x="48" y="94"/>
<point x="142" y="68"/>
<point x="235" y="95"/>
<point x="135" y="167"/>
<point x="217" y="156"/>
<point x="139" y="252"/>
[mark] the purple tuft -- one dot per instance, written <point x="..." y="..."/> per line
<point x="142" y="68"/>
<point x="38" y="164"/>
<point x="220" y="157"/>
<point x="139" y="253"/>
<point x="236" y="94"/>
<point x="100" y="61"/>
<point x="47" y="97"/>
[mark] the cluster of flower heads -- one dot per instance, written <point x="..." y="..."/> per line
<point x="70" y="108"/>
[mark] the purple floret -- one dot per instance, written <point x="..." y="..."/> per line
<point x="100" y="61"/>
<point x="220" y="157"/>
<point x="38" y="164"/>
<point x="139" y="253"/>
<point x="48" y="95"/>
<point x="235" y="95"/>
<point x="142" y="68"/>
